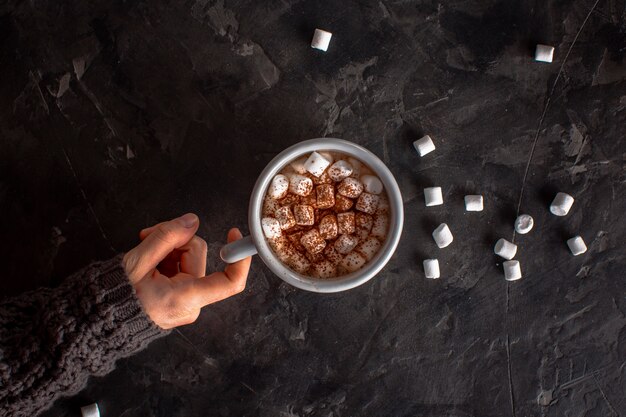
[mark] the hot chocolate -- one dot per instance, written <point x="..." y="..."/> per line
<point x="325" y="215"/>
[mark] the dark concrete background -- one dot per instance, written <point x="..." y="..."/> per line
<point x="116" y="115"/>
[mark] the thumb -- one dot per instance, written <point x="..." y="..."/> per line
<point x="161" y="242"/>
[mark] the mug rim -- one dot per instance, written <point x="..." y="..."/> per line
<point x="372" y="267"/>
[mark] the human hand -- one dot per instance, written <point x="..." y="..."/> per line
<point x="168" y="271"/>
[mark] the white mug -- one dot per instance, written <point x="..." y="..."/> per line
<point x="256" y="243"/>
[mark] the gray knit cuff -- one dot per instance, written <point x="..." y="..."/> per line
<point x="128" y="327"/>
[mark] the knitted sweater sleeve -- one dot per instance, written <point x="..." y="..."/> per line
<point x="51" y="340"/>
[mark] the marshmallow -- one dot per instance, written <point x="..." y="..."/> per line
<point x="270" y="205"/>
<point x="357" y="167"/>
<point x="345" y="223"/>
<point x="512" y="270"/>
<point x="313" y="241"/>
<point x="325" y="196"/>
<point x="424" y="145"/>
<point x="371" y="184"/>
<point x="279" y="187"/>
<point x="90" y="410"/>
<point x="298" y="165"/>
<point x="350" y="187"/>
<point x="281" y="247"/>
<point x="321" y="39"/>
<point x="431" y="268"/>
<point x="442" y="235"/>
<point x="433" y="196"/>
<point x="368" y="248"/>
<point x="561" y="204"/>
<point x="316" y="164"/>
<point x="340" y="170"/>
<point x="328" y="156"/>
<point x="379" y="228"/>
<point x="367" y="203"/>
<point x="305" y="215"/>
<point x="324" y="269"/>
<point x="328" y="227"/>
<point x="544" y="53"/>
<point x="353" y="261"/>
<point x="345" y="243"/>
<point x="298" y="262"/>
<point x="271" y="227"/>
<point x="577" y="245"/>
<point x="342" y="203"/>
<point x="473" y="203"/>
<point x="364" y="223"/>
<point x="505" y="249"/>
<point x="332" y="255"/>
<point x="300" y="185"/>
<point x="383" y="203"/>
<point x="285" y="217"/>
<point x="524" y="224"/>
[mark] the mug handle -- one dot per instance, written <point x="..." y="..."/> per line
<point x="238" y="250"/>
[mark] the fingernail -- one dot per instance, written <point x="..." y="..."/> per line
<point x="188" y="220"/>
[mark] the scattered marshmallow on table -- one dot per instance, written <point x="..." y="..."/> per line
<point x="271" y="227"/>
<point x="512" y="270"/>
<point x="279" y="187"/>
<point x="577" y="245"/>
<point x="505" y="249"/>
<point x="561" y="204"/>
<point x="424" y="145"/>
<point x="431" y="268"/>
<point x="316" y="164"/>
<point x="473" y="203"/>
<point x="372" y="184"/>
<point x="524" y="224"/>
<point x="90" y="410"/>
<point x="321" y="39"/>
<point x="544" y="53"/>
<point x="433" y="196"/>
<point x="442" y="235"/>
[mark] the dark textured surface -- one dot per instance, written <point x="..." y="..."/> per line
<point x="116" y="115"/>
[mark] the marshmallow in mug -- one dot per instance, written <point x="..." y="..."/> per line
<point x="368" y="248"/>
<point x="340" y="170"/>
<point x="353" y="261"/>
<point x="300" y="185"/>
<point x="279" y="187"/>
<point x="345" y="243"/>
<point x="371" y="184"/>
<point x="316" y="164"/>
<point x="271" y="227"/>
